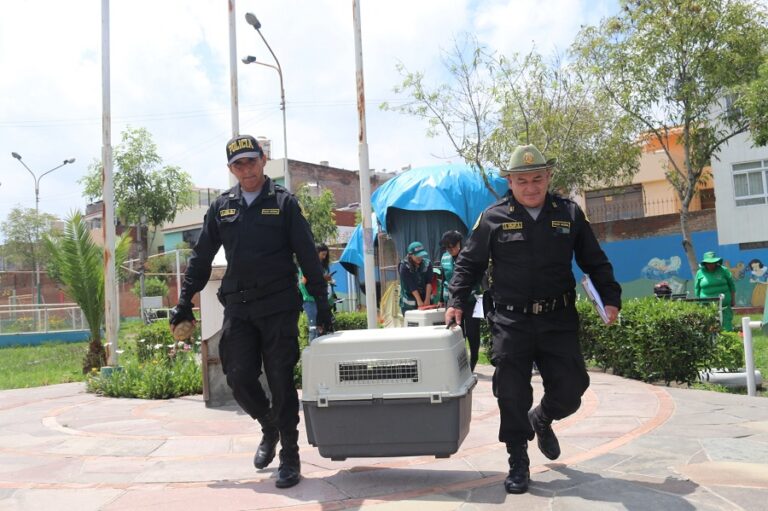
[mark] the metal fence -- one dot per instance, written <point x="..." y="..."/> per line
<point x="610" y="211"/>
<point x="60" y="317"/>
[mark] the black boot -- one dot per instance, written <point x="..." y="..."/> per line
<point x="289" y="472"/>
<point x="265" y="453"/>
<point x="545" y="437"/>
<point x="519" y="473"/>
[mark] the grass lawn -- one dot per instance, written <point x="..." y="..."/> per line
<point x="50" y="363"/>
<point x="46" y="364"/>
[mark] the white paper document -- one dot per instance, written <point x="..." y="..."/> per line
<point x="477" y="312"/>
<point x="594" y="297"/>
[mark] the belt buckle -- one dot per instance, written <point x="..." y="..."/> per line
<point x="536" y="308"/>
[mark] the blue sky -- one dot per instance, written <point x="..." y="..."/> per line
<point x="170" y="74"/>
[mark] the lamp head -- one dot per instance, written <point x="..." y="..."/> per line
<point x="250" y="59"/>
<point x="71" y="160"/>
<point x="16" y="155"/>
<point x="252" y="20"/>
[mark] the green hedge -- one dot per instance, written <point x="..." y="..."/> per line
<point x="153" y="366"/>
<point x="659" y="340"/>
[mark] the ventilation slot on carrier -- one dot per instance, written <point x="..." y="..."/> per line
<point x="378" y="371"/>
<point x="462" y="360"/>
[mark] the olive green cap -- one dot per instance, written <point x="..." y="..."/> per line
<point x="526" y="158"/>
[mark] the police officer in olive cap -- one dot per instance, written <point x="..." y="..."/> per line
<point x="261" y="227"/>
<point x="529" y="238"/>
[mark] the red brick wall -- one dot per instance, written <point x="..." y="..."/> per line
<point x="345" y="184"/>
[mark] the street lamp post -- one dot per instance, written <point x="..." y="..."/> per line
<point x="255" y="23"/>
<point x="37" y="212"/>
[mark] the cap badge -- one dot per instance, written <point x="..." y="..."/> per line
<point x="528" y="158"/>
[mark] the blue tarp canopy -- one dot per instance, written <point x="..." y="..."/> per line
<point x="455" y="194"/>
<point x="454" y="188"/>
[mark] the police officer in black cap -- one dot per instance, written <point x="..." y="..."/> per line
<point x="529" y="238"/>
<point x="261" y="227"/>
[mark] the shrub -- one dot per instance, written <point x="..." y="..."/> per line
<point x="351" y="321"/>
<point x="153" y="286"/>
<point x="485" y="339"/>
<point x="657" y="340"/>
<point x="160" y="367"/>
<point x="162" y="377"/>
<point x="729" y="352"/>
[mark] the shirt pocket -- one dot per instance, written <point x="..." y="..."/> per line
<point x="228" y="226"/>
<point x="510" y="236"/>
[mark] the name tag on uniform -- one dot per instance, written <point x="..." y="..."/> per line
<point x="270" y="211"/>
<point x="512" y="226"/>
<point x="227" y="212"/>
<point x="561" y="226"/>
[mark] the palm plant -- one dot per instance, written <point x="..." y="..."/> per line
<point x="77" y="264"/>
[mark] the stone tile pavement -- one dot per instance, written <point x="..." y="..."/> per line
<point x="631" y="446"/>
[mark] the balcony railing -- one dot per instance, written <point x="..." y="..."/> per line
<point x="611" y="211"/>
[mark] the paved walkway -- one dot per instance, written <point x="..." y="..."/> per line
<point x="631" y="446"/>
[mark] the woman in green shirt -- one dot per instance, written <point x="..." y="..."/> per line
<point x="310" y="307"/>
<point x="712" y="280"/>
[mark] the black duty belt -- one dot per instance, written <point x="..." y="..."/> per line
<point x="541" y="306"/>
<point x="257" y="293"/>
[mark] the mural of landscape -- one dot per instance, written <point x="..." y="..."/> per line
<point x="642" y="263"/>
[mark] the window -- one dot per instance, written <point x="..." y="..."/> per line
<point x="749" y="182"/>
<point x="753" y="245"/>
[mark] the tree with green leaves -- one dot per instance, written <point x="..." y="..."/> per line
<point x="23" y="231"/>
<point x="146" y="192"/>
<point x="672" y="65"/>
<point x="494" y="103"/>
<point x="77" y="263"/>
<point x="318" y="210"/>
<point x="753" y="103"/>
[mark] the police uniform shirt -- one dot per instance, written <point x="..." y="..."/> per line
<point x="259" y="240"/>
<point x="531" y="259"/>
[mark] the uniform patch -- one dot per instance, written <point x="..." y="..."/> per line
<point x="270" y="211"/>
<point x="561" y="226"/>
<point x="510" y="226"/>
<point x="227" y="212"/>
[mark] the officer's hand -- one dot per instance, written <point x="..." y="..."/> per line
<point x="182" y="321"/>
<point x="453" y="317"/>
<point x="180" y="313"/>
<point x="612" y="313"/>
<point x="324" y="320"/>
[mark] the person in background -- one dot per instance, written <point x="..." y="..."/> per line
<point x="530" y="238"/>
<point x="712" y="280"/>
<point x="310" y="306"/>
<point x="451" y="242"/>
<point x="415" y="278"/>
<point x="260" y="225"/>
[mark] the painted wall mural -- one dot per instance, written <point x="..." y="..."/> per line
<point x="641" y="264"/>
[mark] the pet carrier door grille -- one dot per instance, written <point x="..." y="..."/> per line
<point x="361" y="372"/>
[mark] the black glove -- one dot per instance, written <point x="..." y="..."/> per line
<point x="324" y="320"/>
<point x="182" y="312"/>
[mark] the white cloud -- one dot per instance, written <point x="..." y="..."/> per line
<point x="170" y="74"/>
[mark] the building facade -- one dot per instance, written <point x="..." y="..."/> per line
<point x="649" y="193"/>
<point x="741" y="182"/>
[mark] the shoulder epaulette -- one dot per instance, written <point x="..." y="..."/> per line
<point x="500" y="202"/>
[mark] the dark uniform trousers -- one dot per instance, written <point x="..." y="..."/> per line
<point x="247" y="340"/>
<point x="550" y="340"/>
